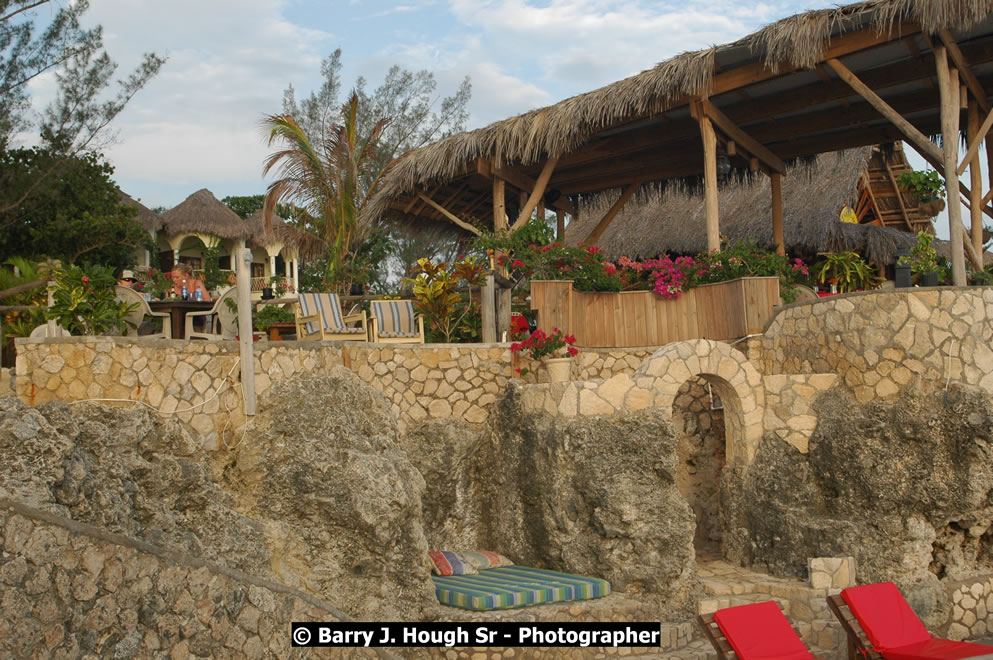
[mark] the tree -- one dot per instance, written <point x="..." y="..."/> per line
<point x="326" y="179"/>
<point x="79" y="216"/>
<point x="246" y="205"/>
<point x="76" y="120"/>
<point x="407" y="99"/>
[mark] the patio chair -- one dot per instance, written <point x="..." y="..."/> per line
<point x="222" y="321"/>
<point x="758" y="631"/>
<point x="880" y="624"/>
<point x="318" y="316"/>
<point x="44" y="330"/>
<point x="131" y="297"/>
<point x="394" y="321"/>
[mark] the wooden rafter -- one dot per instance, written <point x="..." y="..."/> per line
<point x="948" y="85"/>
<point x="536" y="194"/>
<point x="909" y="130"/>
<point x="729" y="128"/>
<point x="955" y="53"/>
<point x="612" y="212"/>
<point x="448" y="214"/>
<point x="867" y="184"/>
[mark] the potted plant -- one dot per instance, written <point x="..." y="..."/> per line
<point x="847" y="271"/>
<point x="271" y="314"/>
<point x="928" y="187"/>
<point x="554" y="350"/>
<point x="923" y="260"/>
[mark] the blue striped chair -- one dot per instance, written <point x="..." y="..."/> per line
<point x="394" y="322"/>
<point x="318" y="316"/>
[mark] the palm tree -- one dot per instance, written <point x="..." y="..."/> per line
<point x="331" y="181"/>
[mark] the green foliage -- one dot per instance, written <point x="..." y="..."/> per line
<point x="923" y="257"/>
<point x="438" y="290"/>
<point x="83" y="301"/>
<point x="20" y="324"/>
<point x="535" y="232"/>
<point x="78" y="216"/>
<point x="982" y="277"/>
<point x="926" y="184"/>
<point x="246" y="205"/>
<point x="212" y="275"/>
<point x="269" y="314"/>
<point x="847" y="270"/>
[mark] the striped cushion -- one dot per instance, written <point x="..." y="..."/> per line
<point x="395" y="318"/>
<point x="327" y="305"/>
<point x="515" y="586"/>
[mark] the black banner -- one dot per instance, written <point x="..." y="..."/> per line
<point x="433" y="634"/>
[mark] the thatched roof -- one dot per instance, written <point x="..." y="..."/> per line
<point x="203" y="213"/>
<point x="149" y="219"/>
<point x="674" y="221"/>
<point x="308" y="245"/>
<point x="593" y="122"/>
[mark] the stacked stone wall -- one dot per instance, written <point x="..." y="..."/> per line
<point x="880" y="341"/>
<point x="972" y="609"/>
<point x="183" y="378"/>
<point x="71" y="590"/>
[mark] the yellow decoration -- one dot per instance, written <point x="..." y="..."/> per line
<point x="848" y="215"/>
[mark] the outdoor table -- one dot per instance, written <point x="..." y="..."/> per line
<point x="178" y="309"/>
<point x="280" y="330"/>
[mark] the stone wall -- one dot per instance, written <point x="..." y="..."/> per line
<point x="181" y="378"/>
<point x="789" y="406"/>
<point x="73" y="590"/>
<point x="880" y="341"/>
<point x="972" y="609"/>
<point x="6" y="382"/>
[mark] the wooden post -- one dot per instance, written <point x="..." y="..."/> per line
<point x="501" y="295"/>
<point x="559" y="225"/>
<point x="488" y="311"/>
<point x="710" y="183"/>
<point x="777" y="213"/>
<point x="976" y="182"/>
<point x="948" y="86"/>
<point x="246" y="338"/>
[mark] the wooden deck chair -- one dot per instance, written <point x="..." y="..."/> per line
<point x="394" y="321"/>
<point x="222" y="321"/>
<point x="758" y="631"/>
<point x="132" y="297"/>
<point x="318" y="316"/>
<point x="880" y="624"/>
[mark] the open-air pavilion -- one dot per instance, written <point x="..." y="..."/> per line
<point x="857" y="75"/>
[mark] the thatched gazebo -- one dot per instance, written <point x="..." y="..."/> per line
<point x="866" y="73"/>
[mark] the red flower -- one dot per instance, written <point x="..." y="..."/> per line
<point x="515" y="347"/>
<point x="570" y="339"/>
<point x="86" y="280"/>
<point x="517" y="264"/>
<point x="546" y="248"/>
<point x="573" y="352"/>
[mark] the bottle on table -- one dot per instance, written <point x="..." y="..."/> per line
<point x="185" y="292"/>
<point x="198" y="296"/>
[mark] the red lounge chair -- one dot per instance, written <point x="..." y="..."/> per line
<point x="753" y="632"/>
<point x="880" y="624"/>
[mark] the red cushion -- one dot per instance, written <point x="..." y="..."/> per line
<point x="885" y="616"/>
<point x="760" y="631"/>
<point x="936" y="648"/>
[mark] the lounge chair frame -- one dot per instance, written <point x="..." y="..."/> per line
<point x="324" y="333"/>
<point x="374" y="330"/>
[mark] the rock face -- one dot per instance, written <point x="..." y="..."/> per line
<point x="903" y="486"/>
<point x="591" y="495"/>
<point x="342" y="503"/>
<point x="317" y="496"/>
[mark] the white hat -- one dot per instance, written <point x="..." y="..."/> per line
<point x="128" y="275"/>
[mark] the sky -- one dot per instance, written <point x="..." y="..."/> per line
<point x="197" y="124"/>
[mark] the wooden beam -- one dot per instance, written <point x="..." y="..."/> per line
<point x="448" y="214"/>
<point x="536" y="194"/>
<point x="965" y="70"/>
<point x="899" y="195"/>
<point x="948" y="85"/>
<point x="975" y="177"/>
<point x="730" y="129"/>
<point x="711" y="206"/>
<point x="867" y="182"/>
<point x="776" y="181"/>
<point x="988" y="197"/>
<point x="975" y="140"/>
<point x="499" y="204"/>
<point x="611" y="213"/>
<point x="909" y="131"/>
<point x="560" y="225"/>
<point x="522" y="181"/>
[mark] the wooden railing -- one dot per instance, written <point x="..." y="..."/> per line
<point x="721" y="311"/>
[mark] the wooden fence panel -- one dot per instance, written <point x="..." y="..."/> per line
<point x="721" y="311"/>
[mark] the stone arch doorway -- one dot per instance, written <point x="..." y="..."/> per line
<point x="731" y="377"/>
<point x="698" y="420"/>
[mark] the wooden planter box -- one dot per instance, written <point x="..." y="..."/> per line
<point x="721" y="311"/>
